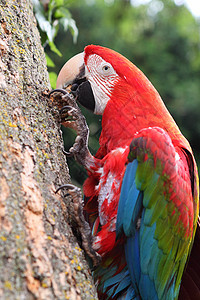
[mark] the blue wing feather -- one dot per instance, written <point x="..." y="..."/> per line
<point x="132" y="210"/>
<point x="126" y="186"/>
<point x="133" y="259"/>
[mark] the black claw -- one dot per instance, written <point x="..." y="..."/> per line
<point x="66" y="107"/>
<point x="58" y="91"/>
<point x="65" y="186"/>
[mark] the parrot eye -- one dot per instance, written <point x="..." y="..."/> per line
<point x="106" y="68"/>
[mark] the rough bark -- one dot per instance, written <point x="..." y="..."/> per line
<point x="39" y="256"/>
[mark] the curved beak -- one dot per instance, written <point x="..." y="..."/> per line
<point x="70" y="71"/>
<point x="73" y="73"/>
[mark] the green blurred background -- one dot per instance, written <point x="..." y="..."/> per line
<point x="160" y="37"/>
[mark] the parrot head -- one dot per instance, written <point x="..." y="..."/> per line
<point x="97" y="73"/>
<point x="108" y="84"/>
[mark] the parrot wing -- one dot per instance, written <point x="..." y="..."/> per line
<point x="156" y="213"/>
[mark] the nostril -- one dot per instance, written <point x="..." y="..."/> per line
<point x="74" y="87"/>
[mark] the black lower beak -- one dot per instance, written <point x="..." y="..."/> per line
<point x="84" y="94"/>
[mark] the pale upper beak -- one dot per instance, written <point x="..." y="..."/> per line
<point x="70" y="71"/>
<point x="73" y="73"/>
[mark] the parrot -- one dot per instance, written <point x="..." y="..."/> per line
<point x="141" y="196"/>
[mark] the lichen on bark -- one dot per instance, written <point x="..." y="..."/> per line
<point x="39" y="256"/>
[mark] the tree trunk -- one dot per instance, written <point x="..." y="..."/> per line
<point x="39" y="256"/>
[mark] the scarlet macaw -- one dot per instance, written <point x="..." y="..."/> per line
<point x="141" y="194"/>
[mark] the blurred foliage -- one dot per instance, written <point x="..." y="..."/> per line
<point x="162" y="39"/>
<point x="51" y="15"/>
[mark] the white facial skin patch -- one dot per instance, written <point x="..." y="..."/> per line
<point x="102" y="78"/>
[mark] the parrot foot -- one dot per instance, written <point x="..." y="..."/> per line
<point x="71" y="116"/>
<point x="83" y="226"/>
